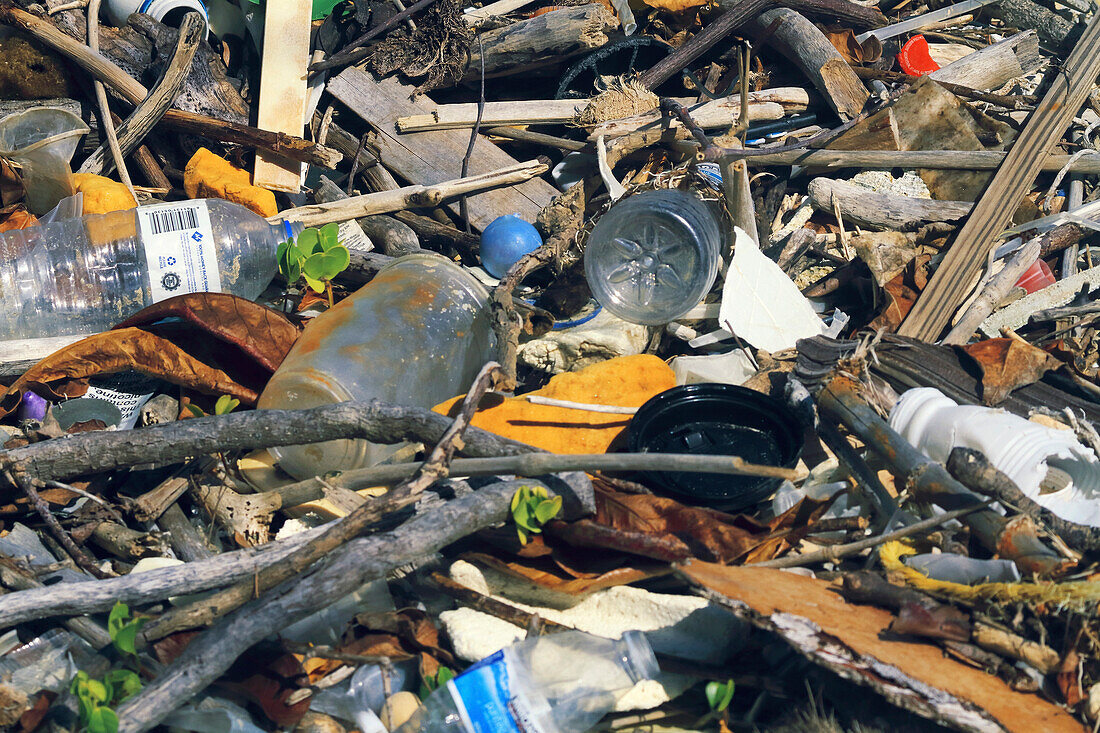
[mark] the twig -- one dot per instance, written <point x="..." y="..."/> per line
<point x="836" y="552"/>
<point x="355" y="162"/>
<point x="570" y="405"/>
<point x="151" y="109"/>
<point x="975" y="471"/>
<point x="463" y="208"/>
<point x="101" y="101"/>
<point x="204" y="612"/>
<point x="16" y="477"/>
<point x="538" y="464"/>
<point x="993" y="293"/>
<point x="344" y="58"/>
<point x="88" y="495"/>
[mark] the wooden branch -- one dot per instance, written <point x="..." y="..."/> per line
<point x="538" y="138"/>
<point x="349" y="567"/>
<point x="886" y="159"/>
<point x="1064" y="98"/>
<point x="526" y="112"/>
<point x="1052" y="28"/>
<point x="203" y="612"/>
<point x="374" y="421"/>
<point x="104" y="108"/>
<point x="377" y="177"/>
<point x="740" y="12"/>
<point x="383" y="202"/>
<point x="133" y="92"/>
<point x="15" y="574"/>
<point x="151" y="109"/>
<point x="476" y="16"/>
<point x="1010" y="101"/>
<point x="185" y="540"/>
<point x="993" y="66"/>
<point x="800" y="41"/>
<point x="884" y="210"/>
<point x="993" y="293"/>
<point x="975" y="471"/>
<point x="547" y="38"/>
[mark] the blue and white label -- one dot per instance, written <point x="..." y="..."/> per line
<point x="487" y="702"/>
<point x="179" y="247"/>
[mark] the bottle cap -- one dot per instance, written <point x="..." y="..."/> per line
<point x="641" y="662"/>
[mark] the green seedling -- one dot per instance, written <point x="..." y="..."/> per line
<point x="719" y="695"/>
<point x="97" y="698"/>
<point x="532" y="508"/>
<point x="226" y="405"/>
<point x="429" y="683"/>
<point x="315" y="255"/>
<point x="123" y="628"/>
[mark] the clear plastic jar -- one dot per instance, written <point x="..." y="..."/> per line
<point x="417" y="334"/>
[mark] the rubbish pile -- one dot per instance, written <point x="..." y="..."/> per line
<point x="653" y="365"/>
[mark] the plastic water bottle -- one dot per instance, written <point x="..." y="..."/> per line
<point x="560" y="683"/>
<point x="82" y="276"/>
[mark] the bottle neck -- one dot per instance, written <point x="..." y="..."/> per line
<point x="288" y="229"/>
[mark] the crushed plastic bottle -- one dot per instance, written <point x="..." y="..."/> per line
<point x="82" y="276"/>
<point x="559" y="683"/>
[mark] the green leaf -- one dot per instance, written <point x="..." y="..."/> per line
<point x="317" y="286"/>
<point x="125" y="639"/>
<point x="445" y="675"/>
<point x="103" y="720"/>
<point x="289" y="259"/>
<point x="719" y="695"/>
<point x="330" y="236"/>
<point x="97" y="691"/>
<point x="548" y="509"/>
<point x="125" y="682"/>
<point x="326" y="265"/>
<point x="521" y="515"/>
<point x="523" y="536"/>
<point x="308" y="241"/>
<point x="195" y="410"/>
<point x="226" y="405"/>
<point x="118" y="617"/>
<point x="520" y="495"/>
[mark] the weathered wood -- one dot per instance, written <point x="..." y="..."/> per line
<point x="283" y="89"/>
<point x="886" y="211"/>
<point x="768" y="104"/>
<point x="1052" y="28"/>
<point x="369" y="167"/>
<point x="994" y="66"/>
<point x="886" y="159"/>
<point x="877" y="132"/>
<point x="151" y="109"/>
<point x="384" y="202"/>
<point x="476" y="16"/>
<point x="793" y="35"/>
<point x="432" y="157"/>
<point x="1066" y="94"/>
<point x="993" y="293"/>
<point x="527" y="112"/>
<point x="542" y="40"/>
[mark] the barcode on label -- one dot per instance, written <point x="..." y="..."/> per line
<point x="173" y="220"/>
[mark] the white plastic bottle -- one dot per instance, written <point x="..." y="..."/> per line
<point x="82" y="276"/>
<point x="558" y="683"/>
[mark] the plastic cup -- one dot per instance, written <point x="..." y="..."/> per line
<point x="654" y="256"/>
<point x="41" y="141"/>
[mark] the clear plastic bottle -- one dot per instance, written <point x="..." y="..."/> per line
<point x="416" y="334"/>
<point x="85" y="275"/>
<point x="558" y="683"/>
<point x="654" y="256"/>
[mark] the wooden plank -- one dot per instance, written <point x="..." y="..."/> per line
<point x="433" y="157"/>
<point x="283" y="89"/>
<point x="1067" y="93"/>
<point x="993" y="66"/>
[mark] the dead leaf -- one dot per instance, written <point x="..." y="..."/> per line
<point x="268" y="676"/>
<point x="1006" y="364"/>
<point x="32" y="718"/>
<point x="707" y="534"/>
<point x="940" y="622"/>
<point x="398" y="635"/>
<point x="263" y="334"/>
<point x="16" y="216"/>
<point x="218" y="344"/>
<point x="1068" y="679"/>
<point x="844" y="41"/>
<point x="901" y="293"/>
<point x="848" y="638"/>
<point x="549" y="574"/>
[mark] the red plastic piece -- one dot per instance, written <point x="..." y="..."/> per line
<point x="1036" y="277"/>
<point x="914" y="58"/>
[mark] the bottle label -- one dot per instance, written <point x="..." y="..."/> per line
<point x="486" y="701"/>
<point x="128" y="391"/>
<point x="179" y="246"/>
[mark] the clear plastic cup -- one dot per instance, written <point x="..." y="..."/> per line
<point x="417" y="334"/>
<point x="41" y="141"/>
<point x="653" y="256"/>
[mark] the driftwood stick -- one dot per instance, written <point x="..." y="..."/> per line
<point x="535" y="464"/>
<point x="974" y="470"/>
<point x="100" y="67"/>
<point x="173" y="442"/>
<point x="104" y="108"/>
<point x="185" y="540"/>
<point x="151" y="109"/>
<point x="886" y="159"/>
<point x="831" y="554"/>
<point x="15" y="574"/>
<point x="202" y="613"/>
<point x="993" y="293"/>
<point x="882" y="210"/>
<point x="1009" y="101"/>
<point x="348" y="568"/>
<point x="384" y="202"/>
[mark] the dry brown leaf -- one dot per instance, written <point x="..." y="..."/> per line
<point x="844" y="41"/>
<point x="549" y="574"/>
<point x="16" y="216"/>
<point x="1006" y="364"/>
<point x="849" y="638"/>
<point x="707" y="534"/>
<point x="398" y="635"/>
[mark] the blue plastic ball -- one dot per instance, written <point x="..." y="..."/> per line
<point x="504" y="241"/>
